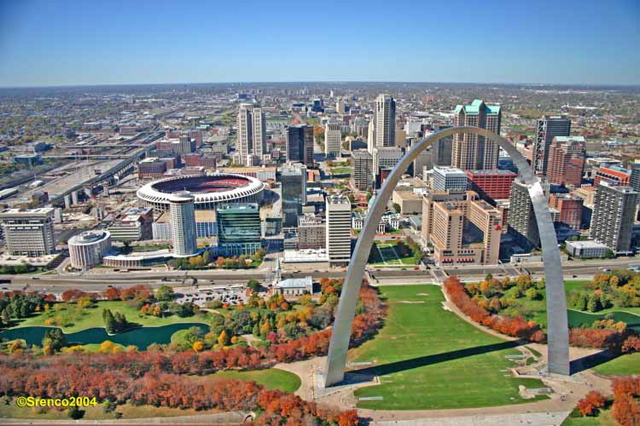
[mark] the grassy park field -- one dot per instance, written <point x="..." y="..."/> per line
<point x="90" y="317"/>
<point x="624" y="365"/>
<point x="386" y="253"/>
<point x="429" y="358"/>
<point x="272" y="378"/>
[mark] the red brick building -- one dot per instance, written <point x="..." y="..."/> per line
<point x="494" y="184"/>
<point x="566" y="160"/>
<point x="614" y="175"/>
<point x="569" y="207"/>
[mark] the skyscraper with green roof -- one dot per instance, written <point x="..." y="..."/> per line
<point x="471" y="151"/>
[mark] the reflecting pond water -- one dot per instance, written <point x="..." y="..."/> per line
<point x="141" y="337"/>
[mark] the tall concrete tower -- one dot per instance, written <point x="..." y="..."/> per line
<point x="338" y="211"/>
<point x="252" y="133"/>
<point x="371" y="135"/>
<point x="183" y="223"/>
<point x="385" y="121"/>
<point x="332" y="139"/>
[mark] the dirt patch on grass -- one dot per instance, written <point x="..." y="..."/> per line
<point x="411" y="302"/>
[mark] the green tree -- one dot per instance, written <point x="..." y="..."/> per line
<point x="54" y="339"/>
<point x="254" y="285"/>
<point x="397" y="207"/>
<point x="165" y="293"/>
<point x="594" y="304"/>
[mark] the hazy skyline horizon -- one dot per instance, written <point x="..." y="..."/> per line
<point x="76" y="43"/>
<point x="176" y="83"/>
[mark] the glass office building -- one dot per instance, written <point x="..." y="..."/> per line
<point x="238" y="229"/>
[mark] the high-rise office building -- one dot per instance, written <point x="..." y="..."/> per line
<point x="449" y="179"/>
<point x="338" y="220"/>
<point x="386" y="157"/>
<point x="547" y="128"/>
<point x="312" y="232"/>
<point x="293" y="178"/>
<point x="634" y="180"/>
<point x="462" y="228"/>
<point x="239" y="230"/>
<point x="385" y="121"/>
<point x="565" y="162"/>
<point x="332" y="139"/>
<point x="613" y="216"/>
<point x="252" y="134"/>
<point x="28" y="232"/>
<point x="183" y="223"/>
<point x="471" y="151"/>
<point x="441" y="151"/>
<point x="362" y="170"/>
<point x="522" y="219"/>
<point x="300" y="144"/>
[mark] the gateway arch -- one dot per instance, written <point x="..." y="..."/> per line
<point x="558" y="330"/>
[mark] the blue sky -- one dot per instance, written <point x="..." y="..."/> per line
<point x="70" y="42"/>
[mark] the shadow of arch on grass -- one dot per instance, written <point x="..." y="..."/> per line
<point x="408" y="364"/>
<point x="591" y="361"/>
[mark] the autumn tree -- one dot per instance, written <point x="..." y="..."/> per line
<point x="591" y="403"/>
<point x="224" y="339"/>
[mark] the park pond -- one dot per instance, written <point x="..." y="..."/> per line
<point x="141" y="337"/>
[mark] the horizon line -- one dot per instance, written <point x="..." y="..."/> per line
<point x="54" y="86"/>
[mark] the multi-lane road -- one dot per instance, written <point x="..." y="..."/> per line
<point x="99" y="281"/>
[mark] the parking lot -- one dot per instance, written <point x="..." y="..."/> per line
<point x="200" y="295"/>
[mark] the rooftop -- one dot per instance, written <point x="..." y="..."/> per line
<point x="296" y="283"/>
<point x="475" y="106"/>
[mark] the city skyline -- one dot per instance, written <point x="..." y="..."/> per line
<point x="61" y="44"/>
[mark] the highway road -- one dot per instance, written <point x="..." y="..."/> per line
<point x="99" y="281"/>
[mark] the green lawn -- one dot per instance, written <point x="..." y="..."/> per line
<point x="341" y="170"/>
<point x="92" y="317"/>
<point x="273" y="378"/>
<point x="429" y="358"/>
<point x="624" y="365"/>
<point x="603" y="419"/>
<point x="386" y="251"/>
